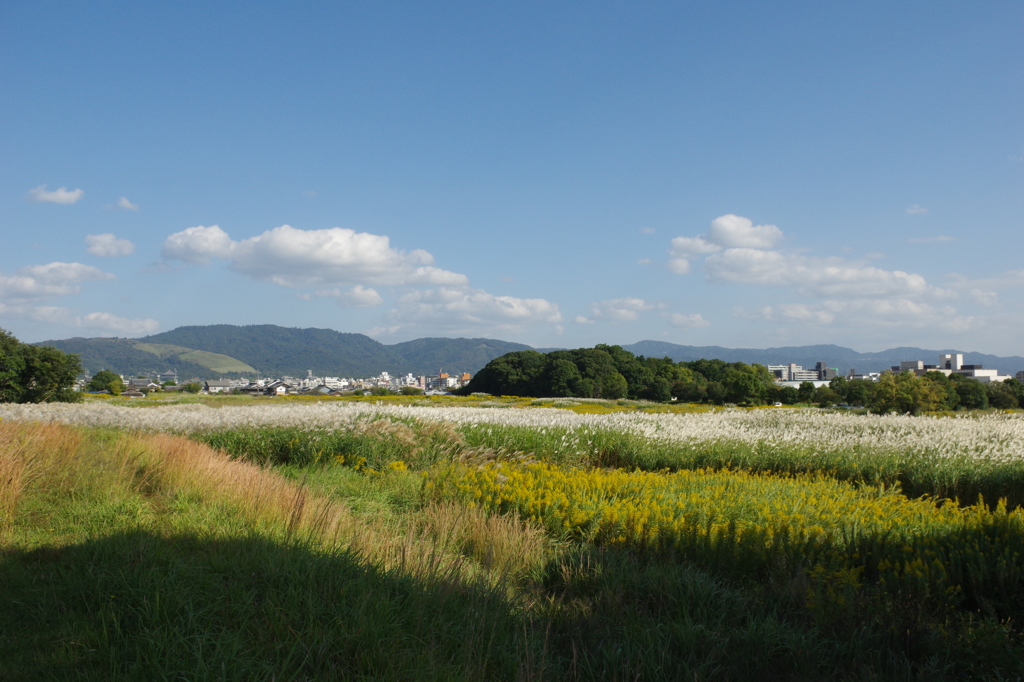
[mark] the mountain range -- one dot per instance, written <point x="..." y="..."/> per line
<point x="229" y="350"/>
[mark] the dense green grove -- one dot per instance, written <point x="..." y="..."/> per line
<point x="35" y="374"/>
<point x="613" y="373"/>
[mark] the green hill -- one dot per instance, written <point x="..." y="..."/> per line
<point x="277" y="350"/>
<point x="213" y="361"/>
<point x="231" y="350"/>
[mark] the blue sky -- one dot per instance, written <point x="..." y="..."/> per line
<point x="739" y="174"/>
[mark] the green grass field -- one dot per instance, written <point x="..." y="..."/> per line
<point x="386" y="545"/>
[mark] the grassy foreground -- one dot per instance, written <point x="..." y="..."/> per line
<point x="150" y="556"/>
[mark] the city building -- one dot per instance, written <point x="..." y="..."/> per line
<point x="794" y="372"/>
<point x="951" y="363"/>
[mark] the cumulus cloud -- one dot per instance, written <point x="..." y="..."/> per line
<point x="917" y="210"/>
<point x="726" y="231"/>
<point x="126" y="205"/>
<point x="893" y="312"/>
<point x="694" y="321"/>
<point x="692" y="246"/>
<point x="102" y="324"/>
<point x="931" y="240"/>
<point x="647" y="230"/>
<point x="465" y="310"/>
<point x="815" y="276"/>
<point x="680" y="266"/>
<point x="198" y="245"/>
<point x="356" y="297"/>
<point x="737" y="231"/>
<point x="580" y="319"/>
<point x="60" y="195"/>
<point x="347" y="266"/>
<point x="112" y="324"/>
<point x="292" y="257"/>
<point x="108" y="245"/>
<point x="36" y="282"/>
<point x="622" y="309"/>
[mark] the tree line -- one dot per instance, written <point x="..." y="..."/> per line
<point x="36" y="374"/>
<point x="905" y="392"/>
<point x="613" y="373"/>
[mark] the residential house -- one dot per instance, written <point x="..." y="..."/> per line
<point x="217" y="386"/>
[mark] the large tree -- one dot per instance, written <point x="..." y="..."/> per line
<point x="34" y="374"/>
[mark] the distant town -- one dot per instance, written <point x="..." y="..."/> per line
<point x="442" y="383"/>
<point x="949" y="363"/>
<point x="139" y="385"/>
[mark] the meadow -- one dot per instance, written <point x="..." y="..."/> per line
<point x="507" y="539"/>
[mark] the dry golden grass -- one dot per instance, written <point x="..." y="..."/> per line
<point x="446" y="542"/>
<point x="27" y="452"/>
<point x="434" y="544"/>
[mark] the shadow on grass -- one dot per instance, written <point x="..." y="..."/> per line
<point x="144" y="607"/>
<point x="141" y="606"/>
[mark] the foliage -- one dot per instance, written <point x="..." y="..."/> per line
<point x="102" y="380"/>
<point x="745" y="524"/>
<point x="612" y="373"/>
<point x="192" y="387"/>
<point x="36" y="374"/>
<point x="907" y="393"/>
<point x="148" y="557"/>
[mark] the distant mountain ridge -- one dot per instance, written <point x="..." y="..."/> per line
<point x="833" y="356"/>
<point x="231" y="350"/>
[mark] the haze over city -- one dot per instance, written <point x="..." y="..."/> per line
<point x="725" y="174"/>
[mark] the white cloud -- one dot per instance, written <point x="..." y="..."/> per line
<point x="726" y="231"/>
<point x="126" y="205"/>
<point x="693" y="321"/>
<point x="816" y="276"/>
<point x="737" y="231"/>
<point x="580" y="319"/>
<point x="112" y="324"/>
<point x="108" y="245"/>
<point x="679" y="266"/>
<point x="463" y="311"/>
<point x="647" y="230"/>
<point x="931" y="240"/>
<point x="37" y="282"/>
<point x="356" y="297"/>
<point x="622" y="309"/>
<point x="691" y="246"/>
<point x="644" y="261"/>
<point x="58" y="196"/>
<point x="103" y="324"/>
<point x="917" y="210"/>
<point x="858" y="314"/>
<point x="41" y="313"/>
<point x="198" y="245"/>
<point x="292" y="257"/>
<point x="986" y="298"/>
